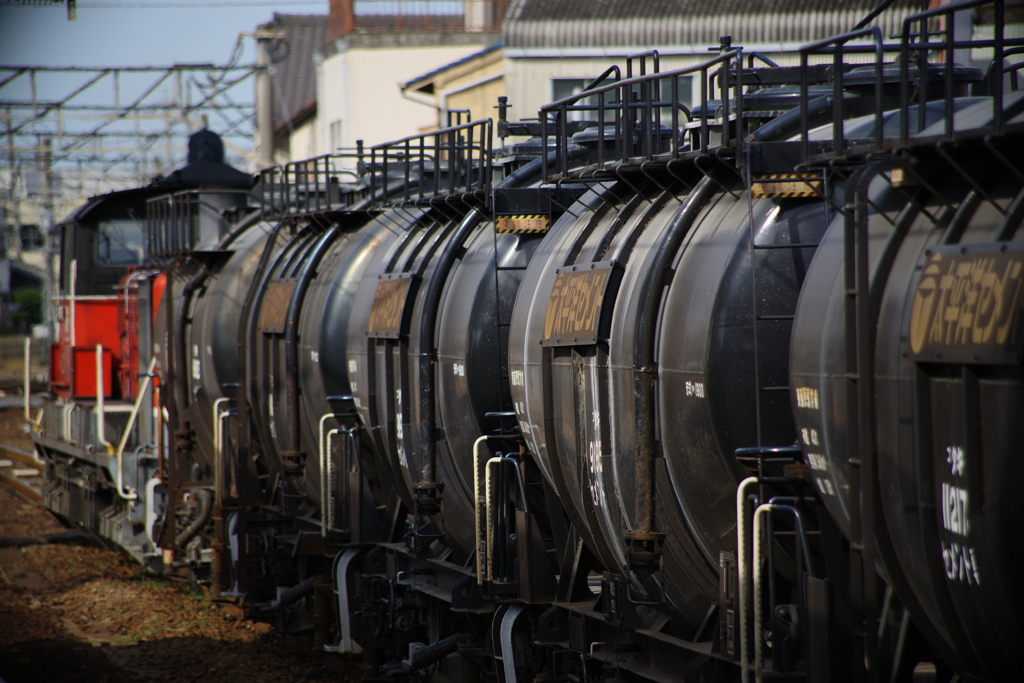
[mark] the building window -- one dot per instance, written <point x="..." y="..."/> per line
<point x="562" y="88"/>
<point x="31" y="238"/>
<point x="335" y="135"/>
<point x="566" y="87"/>
<point x="685" y="91"/>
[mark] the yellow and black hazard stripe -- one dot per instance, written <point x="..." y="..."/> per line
<point x="785" y="185"/>
<point x="532" y="223"/>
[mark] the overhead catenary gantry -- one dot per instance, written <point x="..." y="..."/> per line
<point x="76" y="131"/>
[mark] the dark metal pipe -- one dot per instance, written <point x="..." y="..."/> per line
<point x="428" y="352"/>
<point x="245" y="333"/>
<point x="205" y="497"/>
<point x="523" y="176"/>
<point x="178" y="350"/>
<point x="299" y="591"/>
<point x="322" y="594"/>
<point x="311" y="260"/>
<point x="169" y="375"/>
<point x="818" y="111"/>
<point x="645" y="370"/>
<point x="1014" y="215"/>
<point x="435" y="652"/>
<point x="882" y="6"/>
<point x="180" y="346"/>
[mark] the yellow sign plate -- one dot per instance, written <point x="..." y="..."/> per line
<point x="580" y="299"/>
<point x="274" y="307"/>
<point x="967" y="307"/>
<point x="785" y="185"/>
<point x="388" y="307"/>
<point x="523" y="224"/>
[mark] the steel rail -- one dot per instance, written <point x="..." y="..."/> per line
<point x="26" y="457"/>
<point x="21" y="487"/>
<point x="19" y="483"/>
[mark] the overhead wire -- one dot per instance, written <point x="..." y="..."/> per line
<point x="201" y="5"/>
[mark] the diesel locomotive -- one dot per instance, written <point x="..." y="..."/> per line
<point x="721" y="392"/>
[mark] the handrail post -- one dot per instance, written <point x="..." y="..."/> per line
<point x="488" y="506"/>
<point x="100" y="408"/>
<point x="140" y="399"/>
<point x="324" y="458"/>
<point x="326" y="508"/>
<point x="742" y="570"/>
<point x="28" y="381"/>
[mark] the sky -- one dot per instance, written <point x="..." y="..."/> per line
<point x="131" y="33"/>
<point x="136" y="33"/>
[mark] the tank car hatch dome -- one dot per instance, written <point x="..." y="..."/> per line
<point x="205" y="166"/>
<point x="205" y="146"/>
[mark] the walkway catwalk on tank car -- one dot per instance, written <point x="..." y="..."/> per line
<point x="655" y="393"/>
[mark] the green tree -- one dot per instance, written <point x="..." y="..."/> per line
<point x="28" y="305"/>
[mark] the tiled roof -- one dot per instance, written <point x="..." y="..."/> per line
<point x="292" y="58"/>
<point x="595" y="23"/>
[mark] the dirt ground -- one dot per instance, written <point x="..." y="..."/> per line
<point x="86" y="614"/>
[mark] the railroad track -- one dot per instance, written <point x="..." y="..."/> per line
<point x="22" y="471"/>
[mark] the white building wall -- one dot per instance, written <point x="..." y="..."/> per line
<point x="332" y="100"/>
<point x="361" y="87"/>
<point x="528" y="80"/>
<point x="530" y="72"/>
<point x="304" y="143"/>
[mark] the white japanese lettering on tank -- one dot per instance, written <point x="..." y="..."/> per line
<point x="959" y="558"/>
<point x="596" y="471"/>
<point x="954" y="509"/>
<point x="196" y="363"/>
<point x="817" y="462"/>
<point x="955" y="460"/>
<point x="961" y="563"/>
<point x="806" y="397"/>
<point x="399" y="436"/>
<point x="810" y="436"/>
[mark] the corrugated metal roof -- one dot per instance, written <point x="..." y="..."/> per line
<point x="292" y="58"/>
<point x="588" y="23"/>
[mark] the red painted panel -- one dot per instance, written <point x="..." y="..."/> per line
<point x="83" y="372"/>
<point x="159" y="285"/>
<point x="95" y="322"/>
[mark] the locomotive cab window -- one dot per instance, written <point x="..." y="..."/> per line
<point x="119" y="242"/>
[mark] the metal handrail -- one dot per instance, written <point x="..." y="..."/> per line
<point x="488" y="505"/>
<point x="650" y="107"/>
<point x="911" y="55"/>
<point x="172" y="219"/>
<point x="947" y="43"/>
<point x="140" y="400"/>
<point x="460" y="154"/>
<point x="310" y="185"/>
<point x="35" y="423"/>
<point x="759" y="513"/>
<point x="837" y="47"/>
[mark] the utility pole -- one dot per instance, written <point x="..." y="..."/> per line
<point x="13" y="204"/>
<point x="264" y="100"/>
<point x="52" y="239"/>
